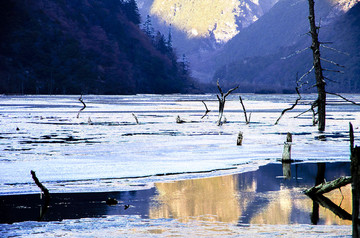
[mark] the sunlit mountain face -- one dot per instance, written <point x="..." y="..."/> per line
<point x="215" y="33"/>
<point x="220" y="19"/>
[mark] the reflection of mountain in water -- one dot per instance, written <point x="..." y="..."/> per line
<point x="260" y="197"/>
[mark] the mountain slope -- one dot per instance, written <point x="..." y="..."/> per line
<point x="255" y="58"/>
<point x="200" y="28"/>
<point x="81" y="46"/>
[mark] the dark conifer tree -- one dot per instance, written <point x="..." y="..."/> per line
<point x="132" y="11"/>
<point x="148" y="28"/>
<point x="169" y="41"/>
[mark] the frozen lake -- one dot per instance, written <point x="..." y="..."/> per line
<point x="106" y="150"/>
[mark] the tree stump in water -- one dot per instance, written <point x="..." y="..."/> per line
<point x="239" y="138"/>
<point x="286" y="156"/>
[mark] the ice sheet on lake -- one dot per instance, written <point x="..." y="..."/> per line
<point x="134" y="226"/>
<point x="96" y="151"/>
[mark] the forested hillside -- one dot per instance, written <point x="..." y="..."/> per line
<point x="83" y="46"/>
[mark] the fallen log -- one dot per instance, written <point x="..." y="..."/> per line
<point x="328" y="186"/>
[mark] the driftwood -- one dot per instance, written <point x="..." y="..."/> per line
<point x="84" y="106"/>
<point x="206" y="110"/>
<point x="222" y="99"/>
<point x="247" y="120"/>
<point x="46" y="193"/>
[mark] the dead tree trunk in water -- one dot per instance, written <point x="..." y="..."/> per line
<point x="46" y="193"/>
<point x="320" y="83"/>
<point x="355" y="186"/>
<point x="222" y="100"/>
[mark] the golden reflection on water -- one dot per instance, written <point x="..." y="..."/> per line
<point x="219" y="199"/>
<point x="198" y="199"/>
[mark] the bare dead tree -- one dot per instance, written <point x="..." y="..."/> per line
<point x="320" y="82"/>
<point x="222" y="100"/>
<point x="319" y="115"/>
<point x="84" y="106"/>
<point x="355" y="186"/>
<point x="206" y="110"/>
<point x="247" y="120"/>
<point x="46" y="193"/>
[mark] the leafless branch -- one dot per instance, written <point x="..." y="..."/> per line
<point x="206" y="110"/>
<point x="345" y="99"/>
<point x="304" y="75"/>
<point x="231" y="90"/>
<point x="333" y="49"/>
<point x="331" y="80"/>
<point x="332" y="62"/>
<point x="335" y="71"/>
<point x="84" y="106"/>
<point x="313" y="105"/>
<point x="326" y="42"/>
<point x="218" y="85"/>
<point x="296" y="101"/>
<point x="295" y="53"/>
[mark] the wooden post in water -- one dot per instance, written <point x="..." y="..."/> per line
<point x="355" y="185"/>
<point x="286" y="156"/>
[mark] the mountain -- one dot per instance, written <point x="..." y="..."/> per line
<point x="200" y="28"/>
<point x="82" y="46"/>
<point x="257" y="59"/>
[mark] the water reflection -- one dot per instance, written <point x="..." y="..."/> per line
<point x="212" y="198"/>
<point x="266" y="196"/>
